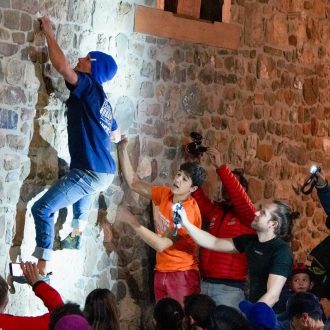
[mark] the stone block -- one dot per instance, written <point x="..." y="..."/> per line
<point x="297" y="154"/>
<point x="253" y="29"/>
<point x="192" y="100"/>
<point x="16" y="142"/>
<point x="12" y="95"/>
<point x="151" y="148"/>
<point x="265" y="152"/>
<point x="7" y="49"/>
<point x="11" y="162"/>
<point x="8" y="119"/>
<point x="4" y="3"/>
<point x="147" y="69"/>
<point x="30" y="6"/>
<point x="4" y="34"/>
<point x="124" y="113"/>
<point x="255" y="191"/>
<point x="11" y="19"/>
<point x="310" y="90"/>
<point x="26" y="22"/>
<point x="65" y="35"/>
<point x="18" y="38"/>
<point x="15" y="72"/>
<point x="54" y="8"/>
<point x="147" y="89"/>
<point x="80" y="12"/>
<point x="266" y="67"/>
<point x="276" y="31"/>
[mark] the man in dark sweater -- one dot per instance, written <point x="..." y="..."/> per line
<point x="269" y="256"/>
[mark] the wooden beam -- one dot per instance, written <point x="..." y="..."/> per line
<point x="167" y="25"/>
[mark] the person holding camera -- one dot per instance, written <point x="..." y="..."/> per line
<point x="223" y="274"/>
<point x="49" y="296"/>
<point x="269" y="256"/>
<point x="320" y="265"/>
<point x="176" y="269"/>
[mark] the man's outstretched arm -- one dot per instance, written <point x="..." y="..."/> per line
<point x="205" y="239"/>
<point x="56" y="55"/>
<point x="133" y="181"/>
<point x="275" y="285"/>
<point x="152" y="239"/>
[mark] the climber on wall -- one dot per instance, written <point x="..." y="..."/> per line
<point x="91" y="129"/>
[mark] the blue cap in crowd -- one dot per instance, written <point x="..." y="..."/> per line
<point x="260" y="315"/>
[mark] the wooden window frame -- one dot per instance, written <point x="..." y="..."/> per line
<point x="165" y="24"/>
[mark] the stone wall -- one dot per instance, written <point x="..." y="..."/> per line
<point x="265" y="106"/>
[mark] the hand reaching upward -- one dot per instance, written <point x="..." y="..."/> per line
<point x="215" y="156"/>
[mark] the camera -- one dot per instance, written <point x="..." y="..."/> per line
<point x="315" y="169"/>
<point x="15" y="269"/>
<point x="177" y="217"/>
<point x="311" y="181"/>
<point x="195" y="147"/>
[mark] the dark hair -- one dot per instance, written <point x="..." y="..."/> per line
<point x="238" y="172"/>
<point x="199" y="307"/>
<point x="227" y="318"/>
<point x="284" y="217"/>
<point x="168" y="314"/>
<point x="101" y="310"/>
<point x="3" y="291"/>
<point x="304" y="302"/>
<point x="196" y="173"/>
<point x="64" y="310"/>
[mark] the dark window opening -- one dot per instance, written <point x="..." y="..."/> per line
<point x="211" y="10"/>
<point x="171" y="5"/>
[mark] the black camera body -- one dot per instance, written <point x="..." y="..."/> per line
<point x="196" y="147"/>
<point x="310" y="183"/>
<point x="176" y="217"/>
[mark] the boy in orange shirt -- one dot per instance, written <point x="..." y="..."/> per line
<point x="176" y="270"/>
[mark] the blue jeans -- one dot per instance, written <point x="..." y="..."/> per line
<point x="223" y="294"/>
<point x="76" y="188"/>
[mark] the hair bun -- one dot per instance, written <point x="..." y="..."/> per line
<point x="294" y="215"/>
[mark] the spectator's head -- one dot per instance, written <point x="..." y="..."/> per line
<point x="276" y="217"/>
<point x="227" y="318"/>
<point x="68" y="317"/>
<point x="168" y="314"/>
<point x="238" y="172"/>
<point x="3" y="294"/>
<point x="101" y="66"/>
<point x="301" y="279"/>
<point x="304" y="309"/>
<point x="197" y="310"/>
<point x="189" y="177"/>
<point x="101" y="310"/>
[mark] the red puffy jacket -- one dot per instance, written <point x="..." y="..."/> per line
<point x="219" y="265"/>
<point x="50" y="297"/>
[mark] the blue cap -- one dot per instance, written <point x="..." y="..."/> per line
<point x="104" y="66"/>
<point x="260" y="315"/>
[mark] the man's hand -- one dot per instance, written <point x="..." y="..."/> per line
<point x="183" y="215"/>
<point x="215" y="157"/>
<point x="125" y="216"/>
<point x="321" y="180"/>
<point x="30" y="272"/>
<point x="46" y="26"/>
<point x="115" y="136"/>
